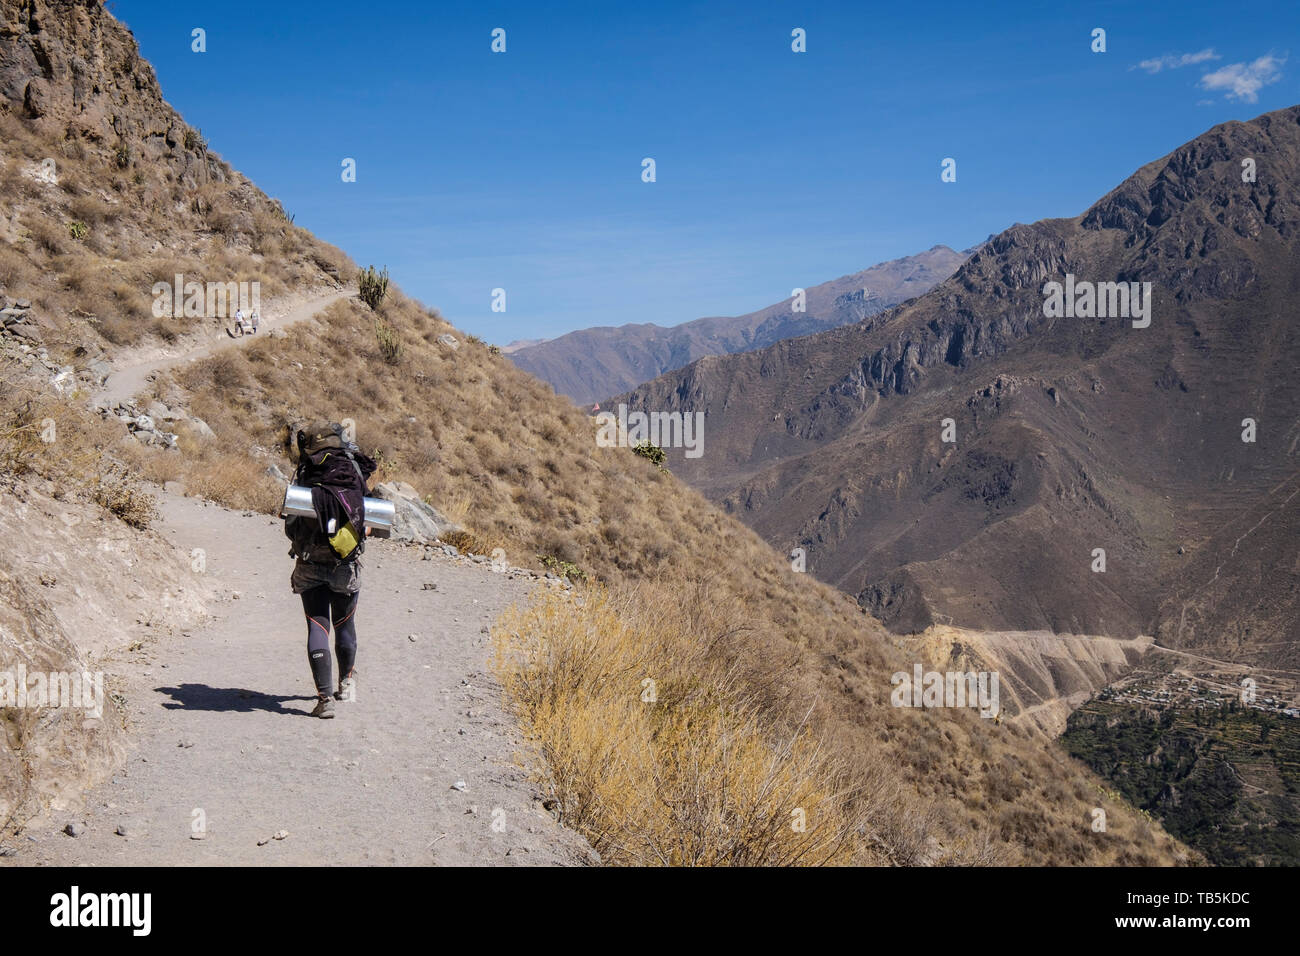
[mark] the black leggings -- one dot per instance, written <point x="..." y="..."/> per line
<point x="322" y="605"/>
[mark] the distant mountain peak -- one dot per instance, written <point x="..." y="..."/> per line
<point x="593" y="364"/>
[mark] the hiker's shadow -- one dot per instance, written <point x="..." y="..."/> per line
<point x="203" y="697"/>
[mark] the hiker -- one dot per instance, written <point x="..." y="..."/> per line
<point x="328" y="550"/>
<point x="239" y="321"/>
<point x="254" y="319"/>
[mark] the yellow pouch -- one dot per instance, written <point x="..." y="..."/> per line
<point x="344" y="541"/>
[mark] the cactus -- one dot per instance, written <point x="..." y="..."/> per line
<point x="372" y="285"/>
<point x="390" y="346"/>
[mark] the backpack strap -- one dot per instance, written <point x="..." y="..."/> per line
<point x="361" y="543"/>
<point x="355" y="467"/>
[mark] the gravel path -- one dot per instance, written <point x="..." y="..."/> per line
<point x="219" y="723"/>
<point x="129" y="380"/>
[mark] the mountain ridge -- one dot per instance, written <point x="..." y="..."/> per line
<point x="595" y="363"/>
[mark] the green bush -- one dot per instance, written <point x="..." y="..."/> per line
<point x="652" y="453"/>
<point x="565" y="569"/>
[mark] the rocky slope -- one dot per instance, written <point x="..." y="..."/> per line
<point x="592" y="364"/>
<point x="109" y="191"/>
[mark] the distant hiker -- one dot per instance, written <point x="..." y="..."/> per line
<point x="239" y="321"/>
<point x="253" y="320"/>
<point x="328" y="548"/>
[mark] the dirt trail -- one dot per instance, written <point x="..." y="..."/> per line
<point x="219" y="723"/>
<point x="129" y="380"/>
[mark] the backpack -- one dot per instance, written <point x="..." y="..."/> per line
<point x="344" y="541"/>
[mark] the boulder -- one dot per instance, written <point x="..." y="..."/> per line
<point x="36" y="98"/>
<point x="202" y="427"/>
<point x="98" y="371"/>
<point x="64" y="380"/>
<point x="161" y="413"/>
<point x="449" y="340"/>
<point x="414" y="520"/>
<point x="156" y="438"/>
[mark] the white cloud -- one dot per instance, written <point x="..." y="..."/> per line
<point x="1171" y="62"/>
<point x="1243" y="81"/>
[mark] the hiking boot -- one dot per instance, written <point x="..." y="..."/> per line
<point x="324" y="708"/>
<point x="347" y="689"/>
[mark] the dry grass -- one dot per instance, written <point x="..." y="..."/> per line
<point x="122" y="496"/>
<point x="56" y="438"/>
<point x="230" y="482"/>
<point x="41" y="433"/>
<point x="657" y="752"/>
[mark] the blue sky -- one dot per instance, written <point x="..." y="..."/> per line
<point x="522" y="170"/>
